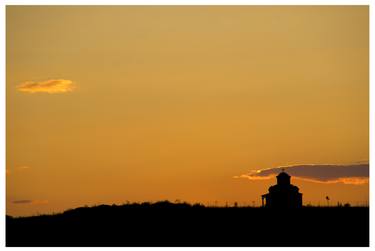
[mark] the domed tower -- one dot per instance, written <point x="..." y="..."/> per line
<point x="283" y="194"/>
<point x="283" y="179"/>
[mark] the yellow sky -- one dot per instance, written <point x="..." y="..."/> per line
<point x="108" y="104"/>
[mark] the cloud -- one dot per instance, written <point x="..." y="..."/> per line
<point x="17" y="169"/>
<point x="50" y="86"/>
<point x="23" y="167"/>
<point x="33" y="202"/>
<point x="38" y="202"/>
<point x="22" y="201"/>
<point x="327" y="173"/>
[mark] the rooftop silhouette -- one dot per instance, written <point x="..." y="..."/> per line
<point x="283" y="194"/>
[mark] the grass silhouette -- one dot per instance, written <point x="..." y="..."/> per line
<point x="181" y="224"/>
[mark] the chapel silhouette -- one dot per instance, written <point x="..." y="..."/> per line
<point x="283" y="194"/>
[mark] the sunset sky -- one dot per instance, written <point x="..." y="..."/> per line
<point x="115" y="104"/>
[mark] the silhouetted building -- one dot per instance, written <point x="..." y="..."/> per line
<point x="283" y="194"/>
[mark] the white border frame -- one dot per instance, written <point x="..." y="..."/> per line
<point x="176" y="2"/>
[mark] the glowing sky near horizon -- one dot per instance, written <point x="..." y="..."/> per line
<point x="114" y="104"/>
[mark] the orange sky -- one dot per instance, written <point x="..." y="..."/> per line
<point x="109" y="104"/>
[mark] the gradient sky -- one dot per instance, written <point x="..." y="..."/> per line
<point x="116" y="104"/>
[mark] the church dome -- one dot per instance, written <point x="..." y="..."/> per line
<point x="283" y="178"/>
<point x="283" y="175"/>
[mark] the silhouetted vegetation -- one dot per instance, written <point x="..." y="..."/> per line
<point x="181" y="224"/>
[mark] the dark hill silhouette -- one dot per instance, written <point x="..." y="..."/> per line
<point x="181" y="224"/>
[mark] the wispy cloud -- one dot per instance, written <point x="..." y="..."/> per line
<point x="328" y="173"/>
<point x="17" y="169"/>
<point x="23" y="167"/>
<point x="22" y="201"/>
<point x="33" y="202"/>
<point x="49" y="86"/>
